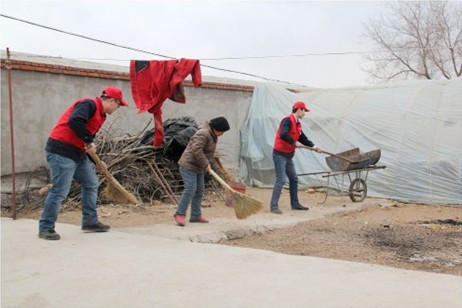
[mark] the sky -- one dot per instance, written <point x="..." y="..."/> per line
<point x="297" y="42"/>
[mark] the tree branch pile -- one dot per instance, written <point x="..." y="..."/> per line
<point x="147" y="172"/>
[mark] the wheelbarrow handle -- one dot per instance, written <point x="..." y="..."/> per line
<point x="329" y="153"/>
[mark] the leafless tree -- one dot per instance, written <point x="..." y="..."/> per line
<point x="418" y="39"/>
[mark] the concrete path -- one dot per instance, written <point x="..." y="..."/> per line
<point x="145" y="267"/>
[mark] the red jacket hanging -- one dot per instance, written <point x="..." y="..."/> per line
<point x="154" y="81"/>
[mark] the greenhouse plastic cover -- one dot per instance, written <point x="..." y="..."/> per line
<point x="416" y="124"/>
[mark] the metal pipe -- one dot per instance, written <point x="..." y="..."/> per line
<point x="10" y="91"/>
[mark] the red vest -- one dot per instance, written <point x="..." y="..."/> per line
<point x="295" y="132"/>
<point x="64" y="133"/>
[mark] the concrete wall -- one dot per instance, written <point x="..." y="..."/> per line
<point x="40" y="97"/>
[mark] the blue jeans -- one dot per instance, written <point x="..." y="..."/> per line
<point x="284" y="166"/>
<point x="63" y="170"/>
<point x="192" y="193"/>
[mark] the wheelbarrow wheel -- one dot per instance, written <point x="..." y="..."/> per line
<point x="358" y="190"/>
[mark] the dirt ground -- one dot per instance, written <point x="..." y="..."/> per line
<point x="409" y="236"/>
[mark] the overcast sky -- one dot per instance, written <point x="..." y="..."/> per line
<point x="203" y="30"/>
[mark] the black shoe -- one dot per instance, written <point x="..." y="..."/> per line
<point x="300" y="208"/>
<point x="97" y="227"/>
<point x="49" y="235"/>
<point x="276" y="211"/>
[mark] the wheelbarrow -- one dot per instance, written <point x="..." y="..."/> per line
<point x="357" y="160"/>
<point x="350" y="160"/>
<point x="348" y="163"/>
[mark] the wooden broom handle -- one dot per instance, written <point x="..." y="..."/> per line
<point x="328" y="153"/>
<point x="98" y="162"/>
<point x="220" y="180"/>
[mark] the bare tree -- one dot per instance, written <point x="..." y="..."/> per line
<point x="419" y="39"/>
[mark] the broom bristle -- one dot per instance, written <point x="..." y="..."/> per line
<point x="244" y="206"/>
<point x="115" y="192"/>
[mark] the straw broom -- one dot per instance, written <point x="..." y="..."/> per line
<point x="114" y="191"/>
<point x="244" y="205"/>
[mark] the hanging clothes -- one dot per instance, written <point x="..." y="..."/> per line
<point x="154" y="81"/>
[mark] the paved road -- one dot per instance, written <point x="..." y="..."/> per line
<point x="164" y="266"/>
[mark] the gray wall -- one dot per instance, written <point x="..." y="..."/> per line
<point x="40" y="98"/>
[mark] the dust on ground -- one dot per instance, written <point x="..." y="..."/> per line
<point x="409" y="236"/>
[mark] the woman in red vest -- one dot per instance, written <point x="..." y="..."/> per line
<point x="66" y="152"/>
<point x="289" y="136"/>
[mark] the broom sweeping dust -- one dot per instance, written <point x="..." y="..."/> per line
<point x="114" y="191"/>
<point x="244" y="205"/>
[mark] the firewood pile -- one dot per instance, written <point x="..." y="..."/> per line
<point x="147" y="172"/>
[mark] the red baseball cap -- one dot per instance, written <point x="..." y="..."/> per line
<point x="300" y="105"/>
<point x="116" y="93"/>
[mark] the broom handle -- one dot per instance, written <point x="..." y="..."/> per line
<point x="328" y="153"/>
<point x="220" y="180"/>
<point x="99" y="163"/>
<point x="109" y="178"/>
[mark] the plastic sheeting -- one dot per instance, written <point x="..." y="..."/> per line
<point x="416" y="124"/>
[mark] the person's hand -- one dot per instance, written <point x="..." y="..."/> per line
<point x="207" y="169"/>
<point x="90" y="148"/>
<point x="298" y="144"/>
<point x="317" y="149"/>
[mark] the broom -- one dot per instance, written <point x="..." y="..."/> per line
<point x="244" y="205"/>
<point x="114" y="191"/>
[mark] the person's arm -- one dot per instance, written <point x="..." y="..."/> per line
<point x="305" y="141"/>
<point x="79" y="118"/>
<point x="198" y="143"/>
<point x="284" y="134"/>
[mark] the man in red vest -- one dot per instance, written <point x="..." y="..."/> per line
<point x="289" y="136"/>
<point x="66" y="152"/>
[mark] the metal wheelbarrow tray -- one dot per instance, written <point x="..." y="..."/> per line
<point x="354" y="159"/>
